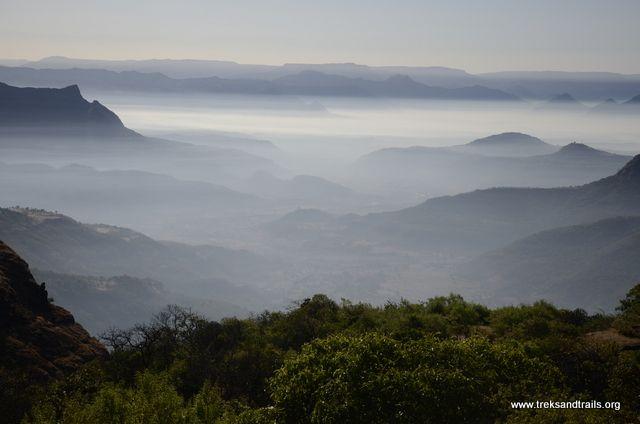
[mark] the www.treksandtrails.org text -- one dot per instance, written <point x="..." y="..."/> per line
<point x="577" y="404"/>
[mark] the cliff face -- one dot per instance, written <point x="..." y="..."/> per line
<point x="56" y="111"/>
<point x="36" y="337"/>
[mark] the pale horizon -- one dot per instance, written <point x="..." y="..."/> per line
<point x="573" y="36"/>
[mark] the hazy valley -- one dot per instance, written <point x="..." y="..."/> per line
<point x="285" y="213"/>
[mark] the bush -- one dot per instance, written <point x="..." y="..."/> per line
<point x="628" y="322"/>
<point x="152" y="400"/>
<point x="376" y="379"/>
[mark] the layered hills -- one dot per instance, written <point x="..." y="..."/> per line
<point x="54" y="242"/>
<point x="483" y="219"/>
<point x="304" y="82"/>
<point x="508" y="159"/>
<point x="534" y="85"/>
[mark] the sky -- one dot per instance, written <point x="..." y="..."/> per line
<point x="475" y="35"/>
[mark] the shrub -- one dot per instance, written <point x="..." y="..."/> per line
<point x="376" y="379"/>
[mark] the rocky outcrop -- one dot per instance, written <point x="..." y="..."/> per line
<point x="37" y="338"/>
<point x="56" y="111"/>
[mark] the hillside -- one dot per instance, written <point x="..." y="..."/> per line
<point x="54" y="242"/>
<point x="482" y="220"/>
<point x="376" y="363"/>
<point x="590" y="265"/>
<point x="144" y="199"/>
<point x="504" y="214"/>
<point x="60" y="111"/>
<point x="635" y="100"/>
<point x="38" y="340"/>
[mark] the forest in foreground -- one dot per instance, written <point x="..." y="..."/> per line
<point x="444" y="360"/>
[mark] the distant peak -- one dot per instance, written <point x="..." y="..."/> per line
<point x="508" y="138"/>
<point x="563" y="98"/>
<point x="56" y="58"/>
<point x="577" y="147"/>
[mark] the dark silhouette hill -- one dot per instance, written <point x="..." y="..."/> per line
<point x="511" y="144"/>
<point x="63" y="111"/>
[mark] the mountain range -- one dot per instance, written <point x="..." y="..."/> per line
<point x="476" y="221"/>
<point x="109" y="267"/>
<point x="586" y="86"/>
<point x="500" y="215"/>
<point x="306" y="82"/>
<point x="58" y="126"/>
<point x="508" y="159"/>
<point x="574" y="246"/>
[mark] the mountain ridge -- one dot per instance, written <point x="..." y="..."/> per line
<point x="589" y="265"/>
<point x="317" y="83"/>
<point x="435" y="171"/>
<point x="63" y="110"/>
<point x="534" y="85"/>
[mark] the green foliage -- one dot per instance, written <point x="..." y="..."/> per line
<point x="376" y="379"/>
<point x="151" y="400"/>
<point x="628" y="322"/>
<point x="442" y="360"/>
